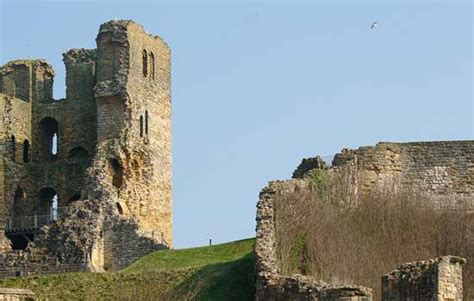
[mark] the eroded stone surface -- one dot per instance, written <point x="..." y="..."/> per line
<point x="112" y="168"/>
<point x="439" y="167"/>
<point x="16" y="294"/>
<point x="434" y="279"/>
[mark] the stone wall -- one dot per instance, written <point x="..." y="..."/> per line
<point x="125" y="244"/>
<point x="18" y="263"/>
<point x="151" y="95"/>
<point x="15" y="129"/>
<point x="436" y="279"/>
<point x="24" y="119"/>
<point x="439" y="168"/>
<point x="270" y="283"/>
<point x="16" y="294"/>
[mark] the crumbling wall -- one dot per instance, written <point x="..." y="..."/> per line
<point x="126" y="243"/>
<point x="18" y="263"/>
<point x="270" y="283"/>
<point x="24" y="173"/>
<point x="76" y="131"/>
<point x="94" y="231"/>
<point x="439" y="168"/>
<point x="435" y="279"/>
<point x="123" y="238"/>
<point x="28" y="80"/>
<point x="16" y="294"/>
<point x="75" y="118"/>
<point x="15" y="129"/>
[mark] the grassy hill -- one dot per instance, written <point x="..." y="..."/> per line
<point x="220" y="272"/>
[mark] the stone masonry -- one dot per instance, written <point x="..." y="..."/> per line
<point x="436" y="279"/>
<point x="439" y="167"/>
<point x="85" y="181"/>
<point x="16" y="294"/>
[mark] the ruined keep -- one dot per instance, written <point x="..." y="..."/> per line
<point x="85" y="181"/>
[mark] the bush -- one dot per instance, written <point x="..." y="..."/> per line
<point x="319" y="178"/>
<point x="356" y="240"/>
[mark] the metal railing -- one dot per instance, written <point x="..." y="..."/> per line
<point x="32" y="221"/>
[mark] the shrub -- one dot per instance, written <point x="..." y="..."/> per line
<point x="356" y="240"/>
<point x="319" y="179"/>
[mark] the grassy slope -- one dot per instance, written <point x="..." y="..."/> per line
<point x="221" y="272"/>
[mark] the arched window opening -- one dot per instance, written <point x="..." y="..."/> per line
<point x="26" y="151"/>
<point x="119" y="208"/>
<point x="49" y="138"/>
<point x="146" y="122"/>
<point x="145" y="63"/>
<point x="117" y="173"/>
<point x="78" y="153"/>
<point x="47" y="206"/>
<point x="152" y="65"/>
<point x="13" y="146"/>
<point x="141" y="125"/>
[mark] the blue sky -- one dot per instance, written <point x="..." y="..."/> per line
<point x="257" y="86"/>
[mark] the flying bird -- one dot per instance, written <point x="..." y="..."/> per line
<point x="374" y="25"/>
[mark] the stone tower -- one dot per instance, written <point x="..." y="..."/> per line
<point x="98" y="160"/>
<point x="133" y="97"/>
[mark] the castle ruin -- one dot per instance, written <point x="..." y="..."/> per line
<point x="442" y="170"/>
<point x="85" y="181"/>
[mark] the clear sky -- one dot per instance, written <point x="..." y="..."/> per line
<point x="259" y="86"/>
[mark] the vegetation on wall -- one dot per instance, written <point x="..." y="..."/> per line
<point x="298" y="262"/>
<point x="356" y="243"/>
<point x="319" y="179"/>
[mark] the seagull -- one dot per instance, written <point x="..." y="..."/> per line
<point x="374" y="25"/>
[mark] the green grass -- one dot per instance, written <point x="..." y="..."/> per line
<point x="220" y="272"/>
